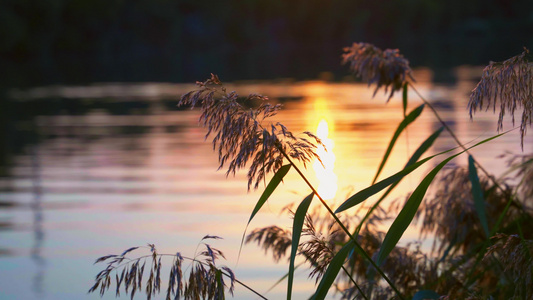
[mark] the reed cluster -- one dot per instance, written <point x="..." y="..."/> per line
<point x="205" y="279"/>
<point x="481" y="250"/>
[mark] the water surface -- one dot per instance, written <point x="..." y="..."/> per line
<point x="101" y="168"/>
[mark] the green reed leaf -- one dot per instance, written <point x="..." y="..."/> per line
<point x="404" y="98"/>
<point x="477" y="194"/>
<point x="333" y="270"/>
<point x="297" y="225"/>
<point x="272" y="185"/>
<point x="411" y="117"/>
<point x="425" y="294"/>
<point x="416" y="156"/>
<point x="424" y="147"/>
<point x="408" y="212"/>
<point x="365" y="193"/>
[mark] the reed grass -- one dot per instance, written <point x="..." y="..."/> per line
<point x="481" y="247"/>
<point x="509" y="84"/>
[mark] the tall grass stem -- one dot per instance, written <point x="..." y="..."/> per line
<point x="366" y="256"/>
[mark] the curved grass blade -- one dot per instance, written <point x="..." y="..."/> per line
<point x="272" y="185"/>
<point x="477" y="194"/>
<point x="416" y="156"/>
<point x="364" y="194"/>
<point x="333" y="270"/>
<point x="405" y="122"/>
<point x="297" y="225"/>
<point x="379" y="186"/>
<point x="408" y="212"/>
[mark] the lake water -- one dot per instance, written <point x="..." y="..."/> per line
<point x="105" y="167"/>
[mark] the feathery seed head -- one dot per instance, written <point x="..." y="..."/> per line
<point x="273" y="238"/>
<point x="383" y="68"/>
<point x="205" y="280"/>
<point x="511" y="83"/>
<point x="243" y="134"/>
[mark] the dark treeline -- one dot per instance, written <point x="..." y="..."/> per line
<point x="80" y="41"/>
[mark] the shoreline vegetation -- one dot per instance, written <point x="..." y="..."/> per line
<point x="482" y="248"/>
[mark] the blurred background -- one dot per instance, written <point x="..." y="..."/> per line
<point x="96" y="158"/>
<point x="79" y="41"/>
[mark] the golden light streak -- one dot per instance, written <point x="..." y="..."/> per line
<point x="327" y="187"/>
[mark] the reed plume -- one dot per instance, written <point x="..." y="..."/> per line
<point x="509" y="83"/>
<point x="273" y="238"/>
<point x="205" y="280"/>
<point x="374" y="66"/>
<point x="244" y="134"/>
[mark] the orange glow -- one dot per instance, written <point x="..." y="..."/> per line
<point x="327" y="187"/>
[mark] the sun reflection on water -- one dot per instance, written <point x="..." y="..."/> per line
<point x="327" y="187"/>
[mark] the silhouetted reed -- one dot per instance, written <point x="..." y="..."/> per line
<point x="273" y="238"/>
<point x="388" y="68"/>
<point x="351" y="253"/>
<point x="243" y="135"/>
<point x="511" y="84"/>
<point x="205" y="280"/>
